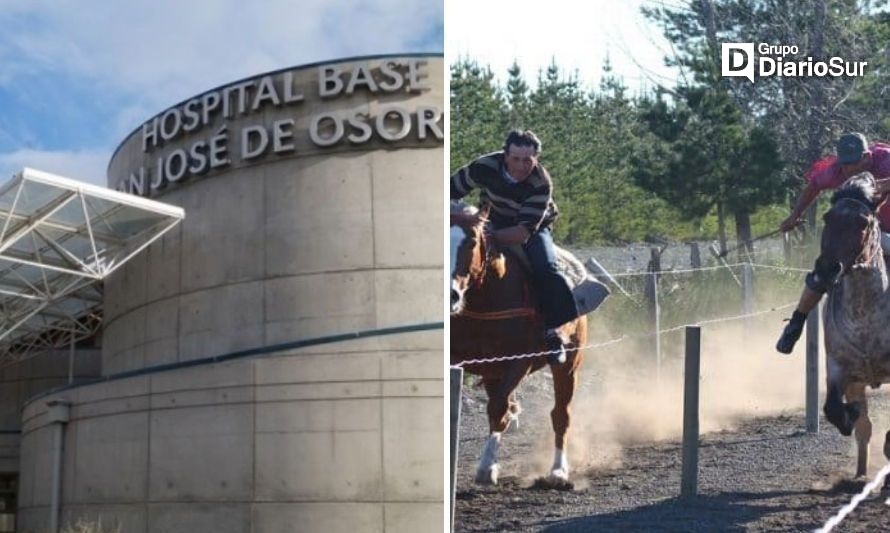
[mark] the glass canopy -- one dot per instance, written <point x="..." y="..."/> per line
<point x="59" y="238"/>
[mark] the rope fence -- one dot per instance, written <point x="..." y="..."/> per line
<point x="709" y="268"/>
<point x="857" y="499"/>
<point x="528" y="355"/>
<point x="678" y="271"/>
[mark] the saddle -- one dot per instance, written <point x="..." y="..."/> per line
<point x="589" y="292"/>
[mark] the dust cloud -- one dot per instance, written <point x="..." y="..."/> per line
<point x="620" y="402"/>
<point x="623" y="399"/>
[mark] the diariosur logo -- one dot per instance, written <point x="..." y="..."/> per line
<point x="737" y="60"/>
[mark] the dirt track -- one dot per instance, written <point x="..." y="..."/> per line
<point x="766" y="474"/>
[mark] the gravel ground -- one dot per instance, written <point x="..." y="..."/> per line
<point x="767" y="474"/>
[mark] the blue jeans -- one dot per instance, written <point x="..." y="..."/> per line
<point x="551" y="287"/>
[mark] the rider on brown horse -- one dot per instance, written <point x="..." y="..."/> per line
<point x="854" y="156"/>
<point x="519" y="192"/>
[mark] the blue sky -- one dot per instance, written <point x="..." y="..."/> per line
<point x="77" y="76"/>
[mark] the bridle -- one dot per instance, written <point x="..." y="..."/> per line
<point x="871" y="240"/>
<point x="479" y="229"/>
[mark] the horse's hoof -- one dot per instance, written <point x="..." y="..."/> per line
<point x="488" y="476"/>
<point x="554" y="482"/>
<point x="842" y="417"/>
<point x="559" y="475"/>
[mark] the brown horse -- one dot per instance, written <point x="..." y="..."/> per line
<point x="493" y="313"/>
<point x="857" y="339"/>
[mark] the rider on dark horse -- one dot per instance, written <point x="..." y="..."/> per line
<point x="519" y="191"/>
<point x="854" y="155"/>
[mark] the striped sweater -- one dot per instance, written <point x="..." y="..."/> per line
<point x="528" y="203"/>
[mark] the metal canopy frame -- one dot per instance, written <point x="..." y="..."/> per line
<point x="59" y="238"/>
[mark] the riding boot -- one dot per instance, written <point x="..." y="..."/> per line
<point x="791" y="333"/>
<point x="555" y="346"/>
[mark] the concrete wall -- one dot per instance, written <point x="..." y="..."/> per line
<point x="21" y="381"/>
<point x="341" y="437"/>
<point x="321" y="241"/>
<point x="284" y="247"/>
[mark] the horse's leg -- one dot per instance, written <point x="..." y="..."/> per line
<point x="565" y="378"/>
<point x="855" y="394"/>
<point x="887" y="449"/>
<point x="843" y="416"/>
<point x="487" y="470"/>
<point x="887" y="455"/>
<point x="499" y="392"/>
<point x="514" y="410"/>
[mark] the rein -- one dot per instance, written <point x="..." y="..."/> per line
<point x="486" y="239"/>
<point x="517" y="312"/>
<point x="487" y="236"/>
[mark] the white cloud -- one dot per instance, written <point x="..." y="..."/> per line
<point x="86" y="165"/>
<point x="173" y="49"/>
<point x="159" y="52"/>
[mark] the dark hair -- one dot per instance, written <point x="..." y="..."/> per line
<point x="523" y="138"/>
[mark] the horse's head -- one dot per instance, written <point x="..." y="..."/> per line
<point x="467" y="255"/>
<point x="851" y="236"/>
<point x="471" y="252"/>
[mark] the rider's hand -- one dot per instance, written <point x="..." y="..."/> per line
<point x="789" y="223"/>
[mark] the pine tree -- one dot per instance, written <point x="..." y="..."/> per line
<point x="477" y="122"/>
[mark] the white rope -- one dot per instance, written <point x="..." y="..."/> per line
<point x="774" y="267"/>
<point x="513" y="357"/>
<point x="680" y="271"/>
<point x="730" y="318"/>
<point x="716" y="267"/>
<point x="847" y="509"/>
<point x="500" y="358"/>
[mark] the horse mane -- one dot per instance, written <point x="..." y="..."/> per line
<point x="860" y="188"/>
<point x="494" y="259"/>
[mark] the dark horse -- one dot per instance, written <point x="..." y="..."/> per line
<point x="857" y="339"/>
<point x="493" y="313"/>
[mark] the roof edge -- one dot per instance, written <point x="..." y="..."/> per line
<point x="269" y="73"/>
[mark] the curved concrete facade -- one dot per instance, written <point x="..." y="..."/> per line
<point x="307" y="242"/>
<point x="314" y="206"/>
<point x="24" y="380"/>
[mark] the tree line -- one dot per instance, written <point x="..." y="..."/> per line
<point x="705" y="157"/>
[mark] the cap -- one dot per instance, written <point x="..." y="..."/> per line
<point x="851" y="147"/>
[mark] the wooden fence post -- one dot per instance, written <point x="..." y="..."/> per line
<point x="651" y="292"/>
<point x="786" y="247"/>
<point x="694" y="255"/>
<point x="457" y="378"/>
<point x="747" y="296"/>
<point x="692" y="368"/>
<point x="812" y="391"/>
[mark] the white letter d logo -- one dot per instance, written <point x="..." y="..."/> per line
<point x="737" y="60"/>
